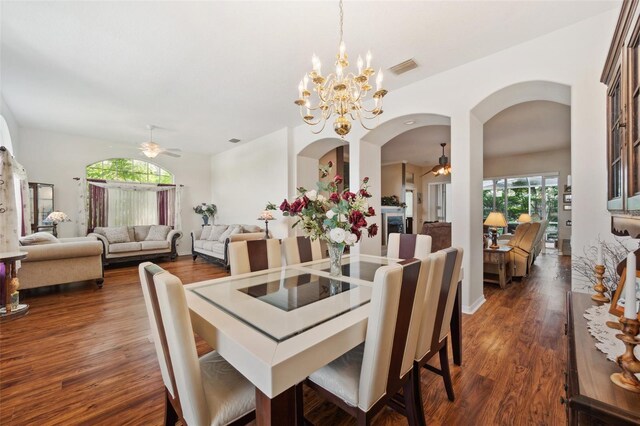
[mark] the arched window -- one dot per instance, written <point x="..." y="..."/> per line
<point x="129" y="170"/>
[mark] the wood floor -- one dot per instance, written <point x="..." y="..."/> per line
<point x="83" y="356"/>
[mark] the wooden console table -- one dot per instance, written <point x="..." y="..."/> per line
<point x="9" y="260"/>
<point x="592" y="399"/>
<point x="499" y="258"/>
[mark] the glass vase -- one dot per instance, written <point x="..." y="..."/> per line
<point x="335" y="258"/>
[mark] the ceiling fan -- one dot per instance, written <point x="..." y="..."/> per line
<point x="152" y="149"/>
<point x="444" y="167"/>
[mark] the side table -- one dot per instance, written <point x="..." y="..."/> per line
<point x="497" y="265"/>
<point x="9" y="260"/>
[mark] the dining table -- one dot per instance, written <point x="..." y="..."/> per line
<point x="277" y="326"/>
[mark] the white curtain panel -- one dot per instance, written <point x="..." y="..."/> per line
<point x="128" y="208"/>
<point x="82" y="211"/>
<point x="9" y="211"/>
<point x="178" y="209"/>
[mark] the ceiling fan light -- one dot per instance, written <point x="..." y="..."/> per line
<point x="150" y="153"/>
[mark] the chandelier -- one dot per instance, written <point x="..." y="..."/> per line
<point x="444" y="167"/>
<point x="341" y="93"/>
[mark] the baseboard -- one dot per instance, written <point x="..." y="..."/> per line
<point x="470" y="310"/>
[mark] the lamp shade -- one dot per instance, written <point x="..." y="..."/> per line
<point x="496" y="219"/>
<point x="524" y="218"/>
<point x="265" y="215"/>
<point x="57" y="217"/>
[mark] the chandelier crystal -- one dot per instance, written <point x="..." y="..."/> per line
<point x="341" y="93"/>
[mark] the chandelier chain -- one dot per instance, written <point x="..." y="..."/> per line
<point x="341" y="21"/>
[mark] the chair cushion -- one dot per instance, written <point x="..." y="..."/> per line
<point x="229" y="395"/>
<point x="158" y="233"/>
<point x="341" y="376"/>
<point x="140" y="232"/>
<point x="38" y="238"/>
<point x="216" y="232"/>
<point x="124" y="247"/>
<point x="155" y="245"/>
<point x="116" y="234"/>
<point x="206" y="231"/>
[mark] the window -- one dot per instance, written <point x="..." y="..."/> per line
<point x="128" y="170"/>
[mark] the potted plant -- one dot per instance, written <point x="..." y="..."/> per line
<point x="206" y="211"/>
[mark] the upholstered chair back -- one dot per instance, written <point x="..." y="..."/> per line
<point x="519" y="234"/>
<point x="173" y="337"/>
<point x="254" y="255"/>
<point x="301" y="249"/>
<point x="408" y="246"/>
<point x="391" y="330"/>
<point x="444" y="273"/>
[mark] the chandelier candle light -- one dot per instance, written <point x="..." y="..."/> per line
<point x="341" y="93"/>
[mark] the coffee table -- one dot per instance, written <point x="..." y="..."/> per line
<point x="497" y="265"/>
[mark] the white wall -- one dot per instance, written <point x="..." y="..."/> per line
<point x="57" y="158"/>
<point x="245" y="178"/>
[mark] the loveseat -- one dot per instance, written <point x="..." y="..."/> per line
<point x="211" y="242"/>
<point x="52" y="260"/>
<point x="137" y="243"/>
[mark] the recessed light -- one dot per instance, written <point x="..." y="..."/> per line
<point x="410" y="122"/>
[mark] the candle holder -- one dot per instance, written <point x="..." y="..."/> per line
<point x="627" y="361"/>
<point x="599" y="288"/>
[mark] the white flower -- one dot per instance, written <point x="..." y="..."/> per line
<point x="321" y="197"/>
<point x="330" y="214"/>
<point x="312" y="195"/>
<point x="350" y="239"/>
<point x="337" y="235"/>
<point x="342" y="218"/>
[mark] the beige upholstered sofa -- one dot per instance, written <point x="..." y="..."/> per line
<point x="212" y="242"/>
<point x="134" y="243"/>
<point x="61" y="261"/>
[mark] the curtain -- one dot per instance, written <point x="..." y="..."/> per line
<point x="177" y="211"/>
<point x="98" y="206"/>
<point x="163" y="211"/>
<point x="26" y="207"/>
<point x="9" y="210"/>
<point x="128" y="208"/>
<point x="82" y="212"/>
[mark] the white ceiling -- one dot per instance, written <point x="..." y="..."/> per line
<point x="419" y="146"/>
<point x="211" y="71"/>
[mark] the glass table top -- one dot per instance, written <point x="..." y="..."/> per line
<point x="361" y="267"/>
<point x="286" y="302"/>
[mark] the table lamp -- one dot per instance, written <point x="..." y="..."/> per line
<point x="266" y="216"/>
<point x="495" y="220"/>
<point x="55" y="218"/>
<point x="525" y="218"/>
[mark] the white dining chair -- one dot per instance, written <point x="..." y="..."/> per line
<point x="435" y="323"/>
<point x="408" y="246"/>
<point x="301" y="249"/>
<point x="365" y="379"/>
<point x="254" y="255"/>
<point x="199" y="391"/>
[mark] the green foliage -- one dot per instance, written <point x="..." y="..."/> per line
<point x="128" y="170"/>
<point x="206" y="209"/>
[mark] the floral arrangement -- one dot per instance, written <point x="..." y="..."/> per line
<point x="340" y="218"/>
<point x="392" y="200"/>
<point x="205" y="209"/>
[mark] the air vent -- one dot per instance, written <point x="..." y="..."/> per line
<point x="234" y="140"/>
<point x="403" y="67"/>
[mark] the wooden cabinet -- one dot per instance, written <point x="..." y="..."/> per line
<point x="41" y="199"/>
<point x="621" y="74"/>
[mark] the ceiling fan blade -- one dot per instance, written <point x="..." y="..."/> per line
<point x="173" y="149"/>
<point x="171" y="154"/>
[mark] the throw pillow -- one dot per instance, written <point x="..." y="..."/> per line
<point x="206" y="231"/>
<point x="117" y="234"/>
<point x="216" y="232"/>
<point x="233" y="229"/>
<point x="251" y="228"/>
<point x="38" y="238"/>
<point x="158" y="233"/>
<point x="140" y="233"/>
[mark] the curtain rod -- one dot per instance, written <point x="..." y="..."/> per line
<point x="142" y="183"/>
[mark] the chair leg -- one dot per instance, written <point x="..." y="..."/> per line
<point x="413" y="398"/>
<point x="444" y="367"/>
<point x="170" y="415"/>
<point x="300" y="421"/>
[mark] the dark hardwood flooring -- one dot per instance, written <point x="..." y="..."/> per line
<point x="83" y="356"/>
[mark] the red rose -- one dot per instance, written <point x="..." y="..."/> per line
<point x="305" y="201"/>
<point x="356" y="219"/>
<point x="365" y="180"/>
<point x="373" y="230"/>
<point x="334" y="197"/>
<point x="371" y="212"/>
<point x="337" y="179"/>
<point x="348" y="196"/>
<point x="363" y="193"/>
<point x="285" y="207"/>
<point x="296" y="206"/>
<point x="330" y="164"/>
<point x="356" y="232"/>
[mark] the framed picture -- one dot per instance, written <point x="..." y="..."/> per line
<point x="566" y="207"/>
<point x="567" y="198"/>
<point x="617" y="305"/>
<point x="568" y="223"/>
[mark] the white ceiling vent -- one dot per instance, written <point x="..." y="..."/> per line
<point x="403" y="67"/>
<point x="234" y="140"/>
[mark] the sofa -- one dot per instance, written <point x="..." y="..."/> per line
<point x="440" y="233"/>
<point x="211" y="242"/>
<point x="52" y="260"/>
<point x="137" y="243"/>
